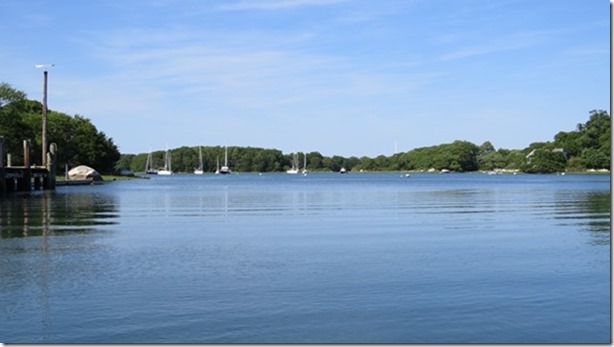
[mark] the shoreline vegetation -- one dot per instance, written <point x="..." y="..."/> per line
<point x="581" y="150"/>
<point x="586" y="148"/>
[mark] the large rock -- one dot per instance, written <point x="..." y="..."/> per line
<point x="83" y="172"/>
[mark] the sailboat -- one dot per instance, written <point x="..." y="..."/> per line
<point x="199" y="170"/>
<point x="294" y="169"/>
<point x="149" y="167"/>
<point x="305" y="171"/>
<point x="224" y="170"/>
<point x="167" y="164"/>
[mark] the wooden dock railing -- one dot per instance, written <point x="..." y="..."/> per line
<point x="27" y="177"/>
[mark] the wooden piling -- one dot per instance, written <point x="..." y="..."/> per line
<point x="2" y="169"/>
<point x="51" y="166"/>
<point x="28" y="176"/>
<point x="25" y="181"/>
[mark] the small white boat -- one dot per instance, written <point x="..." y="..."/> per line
<point x="167" y="170"/>
<point x="294" y="169"/>
<point x="224" y="170"/>
<point x="199" y="170"/>
<point x="149" y="165"/>
<point x="305" y="171"/>
<point x="343" y="171"/>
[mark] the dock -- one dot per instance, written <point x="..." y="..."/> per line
<point x="27" y="177"/>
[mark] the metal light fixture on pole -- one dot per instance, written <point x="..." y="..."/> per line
<point x="44" y="125"/>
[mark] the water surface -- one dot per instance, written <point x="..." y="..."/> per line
<point x="324" y="258"/>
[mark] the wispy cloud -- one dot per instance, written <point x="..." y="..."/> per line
<point x="588" y="51"/>
<point x="497" y="44"/>
<point x="187" y="70"/>
<point x="276" y="4"/>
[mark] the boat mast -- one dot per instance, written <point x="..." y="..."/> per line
<point x="200" y="156"/>
<point x="167" y="160"/>
<point x="148" y="162"/>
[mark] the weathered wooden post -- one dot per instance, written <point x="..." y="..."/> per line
<point x="44" y="115"/>
<point x="25" y="182"/>
<point x="26" y="153"/>
<point x="37" y="180"/>
<point x="51" y="166"/>
<point x="2" y="170"/>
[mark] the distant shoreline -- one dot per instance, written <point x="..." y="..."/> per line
<point x="141" y="175"/>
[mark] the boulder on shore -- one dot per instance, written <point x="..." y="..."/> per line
<point x="84" y="172"/>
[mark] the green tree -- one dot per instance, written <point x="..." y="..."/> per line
<point x="125" y="162"/>
<point x="314" y="161"/>
<point x="595" y="159"/>
<point x="8" y="94"/>
<point x="14" y="129"/>
<point x="570" y="142"/>
<point x="545" y="160"/>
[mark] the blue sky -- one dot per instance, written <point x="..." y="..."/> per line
<point x="341" y="77"/>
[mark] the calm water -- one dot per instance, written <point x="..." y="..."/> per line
<point x="323" y="258"/>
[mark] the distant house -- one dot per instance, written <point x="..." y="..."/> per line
<point x="556" y="150"/>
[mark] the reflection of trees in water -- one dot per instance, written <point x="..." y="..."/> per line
<point x="599" y="204"/>
<point x="590" y="210"/>
<point x="50" y="212"/>
<point x="36" y="267"/>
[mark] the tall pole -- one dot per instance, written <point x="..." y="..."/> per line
<point x="44" y="116"/>
<point x="44" y="126"/>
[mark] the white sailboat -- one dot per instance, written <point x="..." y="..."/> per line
<point x="167" y="170"/>
<point x="305" y="171"/>
<point x="224" y="170"/>
<point x="149" y="167"/>
<point x="294" y="169"/>
<point x="199" y="170"/>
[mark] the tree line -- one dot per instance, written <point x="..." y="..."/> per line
<point x="240" y="159"/>
<point x="80" y="143"/>
<point x="586" y="147"/>
<point x="77" y="139"/>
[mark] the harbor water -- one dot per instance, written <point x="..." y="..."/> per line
<point x="322" y="258"/>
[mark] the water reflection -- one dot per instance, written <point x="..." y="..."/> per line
<point x="589" y="210"/>
<point x="49" y="213"/>
<point x="253" y="259"/>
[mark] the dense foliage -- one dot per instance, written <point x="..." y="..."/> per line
<point x="80" y="143"/>
<point x="587" y="147"/>
<point x="78" y="140"/>
<point x="240" y="159"/>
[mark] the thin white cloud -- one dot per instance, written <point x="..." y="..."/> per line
<point x="256" y="72"/>
<point x="188" y="71"/>
<point x="481" y="50"/>
<point x="499" y="44"/>
<point x="276" y="4"/>
<point x="588" y="51"/>
<point x="369" y="11"/>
